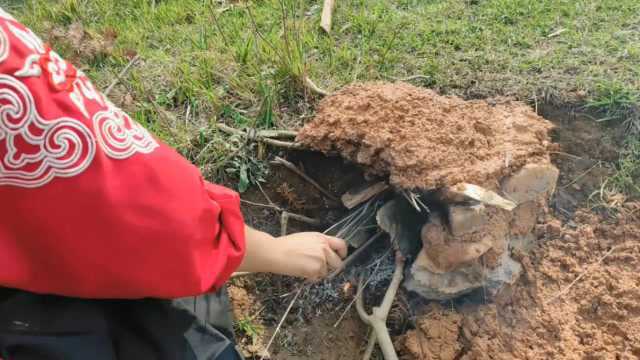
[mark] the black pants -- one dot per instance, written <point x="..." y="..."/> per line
<point x="47" y="327"/>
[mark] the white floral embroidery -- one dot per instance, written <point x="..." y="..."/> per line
<point x="119" y="136"/>
<point x="31" y="40"/>
<point x="83" y="89"/>
<point x="5" y="15"/>
<point x="38" y="150"/>
<point x="34" y="150"/>
<point x="4" y="45"/>
<point x="31" y="67"/>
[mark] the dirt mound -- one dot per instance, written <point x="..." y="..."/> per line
<point x="550" y="315"/>
<point x="421" y="139"/>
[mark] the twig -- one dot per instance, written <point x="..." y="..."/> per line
<point x="371" y="344"/>
<point x="313" y="87"/>
<point x="301" y="218"/>
<point x="582" y="274"/>
<point x="121" y="74"/>
<point x="284" y="223"/>
<point x="284" y="316"/>
<point x="351" y="258"/>
<point x="263" y="136"/>
<point x="265" y="194"/>
<point x="325" y="18"/>
<point x="378" y="318"/>
<point x="556" y="33"/>
<point x="277" y="133"/>
<point x="580" y="176"/>
<point x="274" y="207"/>
<point x="280" y="161"/>
<point x="304" y="219"/>
<point x="567" y="154"/>
<point x="282" y="144"/>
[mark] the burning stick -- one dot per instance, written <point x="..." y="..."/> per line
<point x="378" y="318"/>
<point x="351" y="258"/>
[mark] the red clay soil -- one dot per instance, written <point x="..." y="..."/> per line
<point x="424" y="140"/>
<point x="549" y="314"/>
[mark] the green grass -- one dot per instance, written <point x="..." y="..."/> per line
<point x="626" y="178"/>
<point x="243" y="62"/>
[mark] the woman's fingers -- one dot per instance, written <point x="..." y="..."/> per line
<point x="333" y="260"/>
<point x="319" y="272"/>
<point x="337" y="245"/>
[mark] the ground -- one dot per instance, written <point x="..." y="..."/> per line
<point x="244" y="63"/>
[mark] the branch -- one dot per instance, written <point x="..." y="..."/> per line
<point x="313" y="87"/>
<point x="264" y="136"/>
<point x="378" y="318"/>
<point x="301" y="218"/>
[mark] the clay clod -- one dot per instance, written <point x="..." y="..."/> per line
<point x="424" y="140"/>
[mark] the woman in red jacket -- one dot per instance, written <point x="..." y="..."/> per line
<point x="95" y="207"/>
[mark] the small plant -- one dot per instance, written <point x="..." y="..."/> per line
<point x="248" y="328"/>
<point x="246" y="167"/>
<point x="617" y="103"/>
<point x="628" y="174"/>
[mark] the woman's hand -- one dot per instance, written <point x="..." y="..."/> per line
<point x="309" y="254"/>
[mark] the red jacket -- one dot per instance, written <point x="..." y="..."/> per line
<point x="91" y="204"/>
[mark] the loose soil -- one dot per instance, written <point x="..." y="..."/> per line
<point x="425" y="140"/>
<point x="545" y="317"/>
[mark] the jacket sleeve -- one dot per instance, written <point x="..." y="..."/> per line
<point x="91" y="204"/>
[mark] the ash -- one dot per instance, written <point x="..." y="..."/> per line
<point x="331" y="294"/>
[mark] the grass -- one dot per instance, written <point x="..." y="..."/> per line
<point x="626" y="178"/>
<point x="244" y="62"/>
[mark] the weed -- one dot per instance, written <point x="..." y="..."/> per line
<point x="247" y="327"/>
<point x="626" y="178"/>
<point x="618" y="103"/>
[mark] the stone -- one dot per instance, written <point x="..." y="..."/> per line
<point x="523" y="243"/>
<point x="451" y="256"/>
<point x="466" y="219"/>
<point x="433" y="286"/>
<point x="554" y="228"/>
<point x="524" y="218"/>
<point x="464" y="192"/>
<point x="531" y="182"/>
<point x="433" y="232"/>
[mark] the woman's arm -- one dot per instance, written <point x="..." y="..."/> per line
<point x="92" y="205"/>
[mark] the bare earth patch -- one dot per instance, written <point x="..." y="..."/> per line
<point x="544" y="316"/>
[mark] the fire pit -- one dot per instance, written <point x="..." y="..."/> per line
<point x="458" y="186"/>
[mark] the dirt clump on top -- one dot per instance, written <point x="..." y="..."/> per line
<point x="425" y="140"/>
<point x="550" y="315"/>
